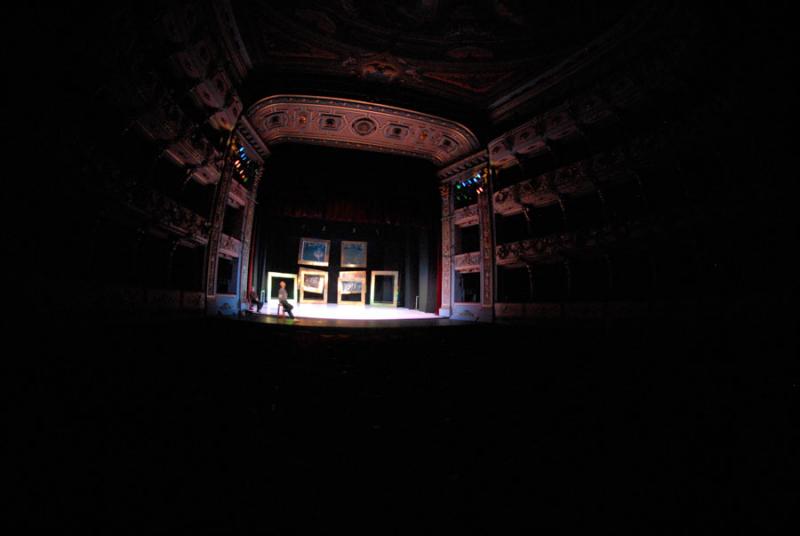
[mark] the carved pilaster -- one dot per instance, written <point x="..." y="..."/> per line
<point x="447" y="248"/>
<point x="247" y="234"/>
<point x="215" y="233"/>
<point x="485" y="218"/>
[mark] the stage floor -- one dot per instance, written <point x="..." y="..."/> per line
<point x="332" y="311"/>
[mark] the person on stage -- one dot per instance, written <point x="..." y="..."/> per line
<point x="283" y="299"/>
<point x="252" y="297"/>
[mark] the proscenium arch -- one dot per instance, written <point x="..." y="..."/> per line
<point x="356" y="124"/>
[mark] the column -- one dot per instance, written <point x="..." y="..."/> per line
<point x="247" y="235"/>
<point x="485" y="220"/>
<point x="447" y="249"/>
<point x="215" y="232"/>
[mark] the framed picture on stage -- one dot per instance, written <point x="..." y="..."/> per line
<point x="314" y="252"/>
<point x="352" y="288"/>
<point x="354" y="254"/>
<point x="313" y="282"/>
<point x="313" y="285"/>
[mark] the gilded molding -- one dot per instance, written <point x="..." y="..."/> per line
<point x="360" y="125"/>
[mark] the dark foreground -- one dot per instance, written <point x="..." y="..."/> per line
<point x="663" y="427"/>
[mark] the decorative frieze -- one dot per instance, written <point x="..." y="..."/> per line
<point x="466" y="216"/>
<point x="172" y="216"/>
<point x="191" y="149"/>
<point x="212" y="93"/>
<point x="575" y="179"/>
<point x="178" y="219"/>
<point x="225" y="119"/>
<point x="534" y="192"/>
<point x="248" y="136"/>
<point x="208" y="173"/>
<point x="467" y="262"/>
<point x="551" y="247"/>
<point x="238" y="195"/>
<point x="465" y="166"/>
<point x="230" y="246"/>
<point x="360" y="125"/>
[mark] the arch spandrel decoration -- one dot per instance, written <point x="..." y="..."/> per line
<point x="360" y="125"/>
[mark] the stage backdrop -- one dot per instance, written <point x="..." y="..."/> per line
<point x="406" y="249"/>
<point x="389" y="202"/>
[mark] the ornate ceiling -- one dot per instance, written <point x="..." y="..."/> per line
<point x="465" y="51"/>
<point x="359" y="125"/>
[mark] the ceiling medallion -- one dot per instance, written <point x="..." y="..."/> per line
<point x="364" y="126"/>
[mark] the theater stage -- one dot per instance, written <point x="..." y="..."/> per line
<point x="332" y="311"/>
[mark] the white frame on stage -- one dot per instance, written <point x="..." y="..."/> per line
<point x="396" y="278"/>
<point x="280" y="275"/>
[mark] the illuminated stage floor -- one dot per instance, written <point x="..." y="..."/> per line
<point x="332" y="311"/>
